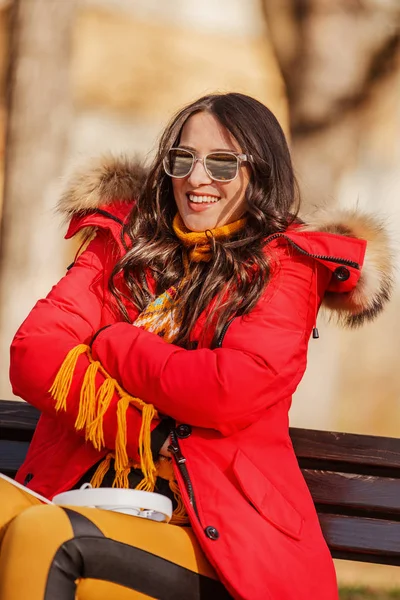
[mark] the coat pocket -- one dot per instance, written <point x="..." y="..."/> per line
<point x="266" y="498"/>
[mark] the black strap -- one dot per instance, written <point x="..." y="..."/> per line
<point x="81" y="525"/>
<point x="91" y="555"/>
<point x="97" y="333"/>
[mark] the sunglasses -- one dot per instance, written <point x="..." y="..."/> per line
<point x="219" y="166"/>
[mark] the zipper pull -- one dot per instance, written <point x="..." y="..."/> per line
<point x="174" y="448"/>
<point x="315" y="332"/>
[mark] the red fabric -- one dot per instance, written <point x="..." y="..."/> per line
<point x="244" y="472"/>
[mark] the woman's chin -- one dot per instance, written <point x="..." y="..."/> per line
<point x="198" y="223"/>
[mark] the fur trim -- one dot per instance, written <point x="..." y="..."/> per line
<point x="374" y="287"/>
<point x="120" y="178"/>
<point x="101" y="182"/>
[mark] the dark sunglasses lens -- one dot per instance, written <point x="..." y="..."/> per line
<point x="221" y="166"/>
<point x="178" y="163"/>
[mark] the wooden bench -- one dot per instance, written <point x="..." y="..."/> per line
<point x="354" y="481"/>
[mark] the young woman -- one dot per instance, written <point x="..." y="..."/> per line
<point x="167" y="357"/>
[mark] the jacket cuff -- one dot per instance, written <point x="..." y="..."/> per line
<point x="161" y="432"/>
<point x="96" y="334"/>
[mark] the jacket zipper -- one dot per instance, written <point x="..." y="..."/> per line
<point x="174" y="446"/>
<point x="181" y="464"/>
<point x="334" y="259"/>
<point x="223" y="332"/>
<point x="339" y="261"/>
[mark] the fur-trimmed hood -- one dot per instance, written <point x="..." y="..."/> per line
<point x="375" y="285"/>
<point x="100" y="183"/>
<point x="110" y="181"/>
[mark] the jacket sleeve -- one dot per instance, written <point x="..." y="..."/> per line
<point x="70" y="315"/>
<point x="261" y="362"/>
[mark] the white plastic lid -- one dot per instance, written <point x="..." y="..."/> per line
<point x="137" y="503"/>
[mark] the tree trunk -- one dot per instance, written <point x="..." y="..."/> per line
<point x="341" y="64"/>
<point x="335" y="57"/>
<point x="39" y="121"/>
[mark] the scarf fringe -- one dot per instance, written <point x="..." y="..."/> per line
<point x="146" y="457"/>
<point x="94" y="403"/>
<point x="122" y="468"/>
<point x="101" y="471"/>
<point x="102" y="400"/>
<point x="87" y="407"/>
<point x="62" y="383"/>
<point x="164" y="470"/>
<point x="179" y="516"/>
<point x="92" y="408"/>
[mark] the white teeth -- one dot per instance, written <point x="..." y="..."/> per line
<point x="200" y="199"/>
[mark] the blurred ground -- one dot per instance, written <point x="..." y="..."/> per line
<point x="352" y="574"/>
<point x="364" y="593"/>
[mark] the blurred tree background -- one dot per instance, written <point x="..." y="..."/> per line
<point x="79" y="78"/>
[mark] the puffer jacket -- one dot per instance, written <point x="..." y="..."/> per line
<point x="241" y="484"/>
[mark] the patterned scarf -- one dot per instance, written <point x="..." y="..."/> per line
<point x="161" y="317"/>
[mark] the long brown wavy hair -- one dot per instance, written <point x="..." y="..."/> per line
<point x="239" y="269"/>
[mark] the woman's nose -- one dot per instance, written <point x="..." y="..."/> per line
<point x="199" y="175"/>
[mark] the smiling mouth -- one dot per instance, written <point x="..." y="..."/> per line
<point x="203" y="199"/>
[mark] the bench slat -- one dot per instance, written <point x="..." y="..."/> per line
<point x="349" y="448"/>
<point x="12" y="455"/>
<point x="18" y="415"/>
<point x="347" y="490"/>
<point x="356" y="538"/>
<point x="308" y="444"/>
<point x="354" y="480"/>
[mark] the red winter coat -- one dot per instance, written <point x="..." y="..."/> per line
<point x="247" y="500"/>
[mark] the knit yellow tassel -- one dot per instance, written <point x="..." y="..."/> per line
<point x="104" y="396"/>
<point x="62" y="383"/>
<point x="92" y="408"/>
<point x="166" y="471"/>
<point x="165" y="468"/>
<point x="87" y="402"/>
<point x="101" y="471"/>
<point x="146" y="458"/>
<point x="122" y="468"/>
<point x="179" y="516"/>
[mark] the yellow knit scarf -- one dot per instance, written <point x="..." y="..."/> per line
<point x="161" y="317"/>
<point x="198" y="243"/>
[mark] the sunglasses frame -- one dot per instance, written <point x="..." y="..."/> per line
<point x="239" y="159"/>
